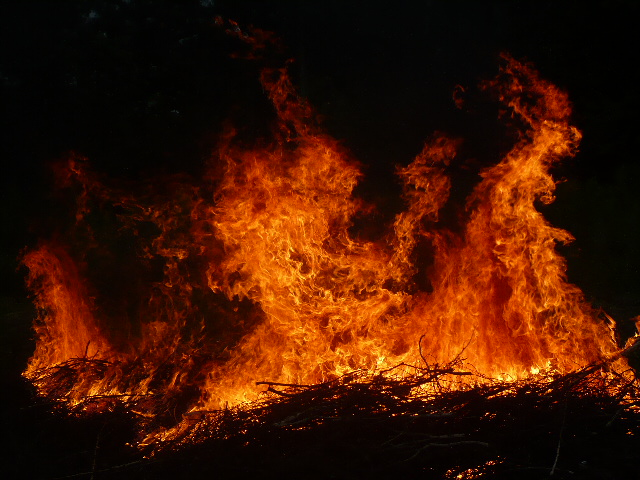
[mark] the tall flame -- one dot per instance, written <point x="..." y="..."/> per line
<point x="502" y="287"/>
<point x="262" y="277"/>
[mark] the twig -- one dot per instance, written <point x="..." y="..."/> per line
<point x="615" y="417"/>
<point x="102" y="470"/>
<point x="123" y="395"/>
<point x="292" y="385"/>
<point x="564" y="419"/>
<point x="457" y="358"/>
<point x="420" y="349"/>
<point x="451" y="444"/>
<point x="95" y="452"/>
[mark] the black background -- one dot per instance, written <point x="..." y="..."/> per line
<point x="144" y="87"/>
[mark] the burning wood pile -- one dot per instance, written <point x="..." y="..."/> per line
<point x="583" y="424"/>
<point x="269" y="335"/>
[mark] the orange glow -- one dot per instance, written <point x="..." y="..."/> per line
<point x="269" y="241"/>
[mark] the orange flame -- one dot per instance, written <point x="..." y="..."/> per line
<point x="262" y="278"/>
<point x="502" y="287"/>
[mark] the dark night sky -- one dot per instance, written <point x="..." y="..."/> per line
<point x="143" y="86"/>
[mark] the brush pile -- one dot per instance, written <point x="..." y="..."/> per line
<point x="582" y="425"/>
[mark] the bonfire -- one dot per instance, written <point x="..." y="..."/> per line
<point x="257" y="316"/>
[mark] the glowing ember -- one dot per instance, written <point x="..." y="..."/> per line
<point x="254" y="274"/>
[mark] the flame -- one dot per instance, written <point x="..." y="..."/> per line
<point x="502" y="287"/>
<point x="258" y="275"/>
<point x="69" y="328"/>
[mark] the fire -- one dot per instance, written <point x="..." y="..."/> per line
<point x="258" y="276"/>
<point x="502" y="286"/>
